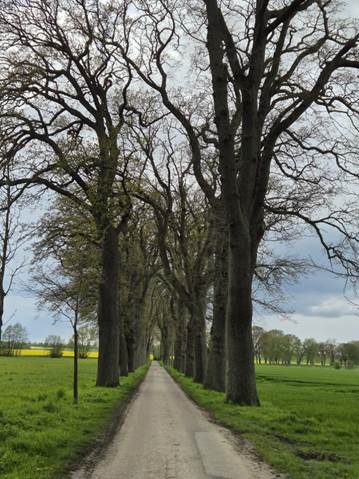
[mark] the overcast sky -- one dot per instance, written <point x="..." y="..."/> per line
<point x="319" y="307"/>
<point x="352" y="8"/>
<point x="318" y="302"/>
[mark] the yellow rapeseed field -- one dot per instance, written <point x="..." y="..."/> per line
<point x="46" y="352"/>
<point x="34" y="352"/>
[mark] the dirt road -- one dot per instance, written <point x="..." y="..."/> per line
<point x="165" y="436"/>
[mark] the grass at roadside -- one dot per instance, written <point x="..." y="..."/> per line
<point x="41" y="430"/>
<point x="308" y="425"/>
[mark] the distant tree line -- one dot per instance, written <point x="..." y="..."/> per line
<point x="87" y="342"/>
<point x="277" y="347"/>
<point x="14" y="339"/>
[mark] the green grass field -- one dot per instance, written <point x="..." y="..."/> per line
<point x="308" y="425"/>
<point x="41" y="430"/>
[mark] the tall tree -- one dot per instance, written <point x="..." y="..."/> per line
<point x="264" y="116"/>
<point x="64" y="99"/>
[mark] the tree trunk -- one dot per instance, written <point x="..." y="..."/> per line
<point x="108" y="314"/>
<point x="199" y="322"/>
<point x="123" y="355"/>
<point x="241" y="381"/>
<point x="2" y="296"/>
<point x="131" y="352"/>
<point x="215" y="374"/>
<point x="143" y="352"/>
<point x="179" y="346"/>
<point x="238" y="187"/>
<point x="165" y="340"/>
<point x="140" y="350"/>
<point x="189" y="367"/>
<point x="123" y="345"/>
<point x="76" y="365"/>
<point x="184" y="350"/>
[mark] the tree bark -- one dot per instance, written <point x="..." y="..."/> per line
<point x="122" y="342"/>
<point x="2" y="297"/>
<point x="189" y="367"/>
<point x="165" y="346"/>
<point x="241" y="382"/>
<point x="199" y="322"/>
<point x="123" y="355"/>
<point x="131" y="352"/>
<point x="179" y="347"/>
<point x="215" y="373"/>
<point x="108" y="314"/>
<point x="142" y="356"/>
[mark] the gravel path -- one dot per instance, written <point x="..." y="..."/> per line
<point x="166" y="436"/>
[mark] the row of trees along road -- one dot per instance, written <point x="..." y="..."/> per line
<point x="180" y="140"/>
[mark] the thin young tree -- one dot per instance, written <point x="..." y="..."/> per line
<point x="66" y="269"/>
<point x="66" y="298"/>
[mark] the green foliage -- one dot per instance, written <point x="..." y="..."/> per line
<point x="349" y="353"/>
<point x="69" y="286"/>
<point x="41" y="430"/>
<point x="56" y="352"/>
<point x="307" y="425"/>
<point x="276" y="347"/>
<point x="87" y="339"/>
<point x="14" y="339"/>
<point x="311" y="349"/>
<point x="56" y="346"/>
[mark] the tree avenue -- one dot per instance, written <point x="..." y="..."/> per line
<point x="277" y="96"/>
<point x="184" y="139"/>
